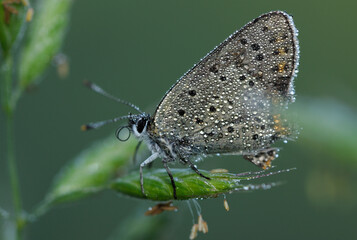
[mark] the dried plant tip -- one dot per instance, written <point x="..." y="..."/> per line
<point x="225" y="203"/>
<point x="219" y="170"/>
<point x="29" y="14"/>
<point x="194" y="230"/>
<point x="9" y="9"/>
<point x="205" y="227"/>
<point x="159" y="208"/>
<point x="85" y="127"/>
<point x="62" y="64"/>
<point x="87" y="83"/>
<point x="202" y="225"/>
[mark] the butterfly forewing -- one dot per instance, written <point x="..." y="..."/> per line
<point x="230" y="102"/>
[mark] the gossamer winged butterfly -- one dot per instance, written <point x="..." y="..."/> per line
<point x="228" y="103"/>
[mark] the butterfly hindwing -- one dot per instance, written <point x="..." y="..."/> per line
<point x="230" y="101"/>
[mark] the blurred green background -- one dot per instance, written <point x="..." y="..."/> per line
<point x="137" y="50"/>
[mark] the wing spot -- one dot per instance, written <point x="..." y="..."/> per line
<point x="272" y="40"/>
<point x="280" y="51"/>
<point x="243" y="41"/>
<point x="212" y="109"/>
<point x="242" y="78"/>
<point x="281" y="67"/>
<point x="223" y="78"/>
<point x="255" y="47"/>
<point x="192" y="93"/>
<point x="259" y="57"/>
<point x="213" y="69"/>
<point x="181" y="112"/>
<point x="199" y="121"/>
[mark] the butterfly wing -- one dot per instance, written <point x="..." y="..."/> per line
<point x="230" y="101"/>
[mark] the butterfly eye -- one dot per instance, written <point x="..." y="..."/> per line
<point x="140" y="125"/>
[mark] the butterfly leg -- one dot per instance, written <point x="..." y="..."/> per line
<point x="263" y="158"/>
<point x="136" y="151"/>
<point x="171" y="178"/>
<point x="143" y="164"/>
<point x="193" y="167"/>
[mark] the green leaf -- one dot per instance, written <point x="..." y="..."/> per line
<point x="44" y="39"/>
<point x="90" y="172"/>
<point x="189" y="185"/>
<point x="12" y="19"/>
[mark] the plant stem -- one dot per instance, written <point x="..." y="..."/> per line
<point x="16" y="196"/>
<point x="6" y="86"/>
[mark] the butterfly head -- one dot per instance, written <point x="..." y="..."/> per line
<point x="139" y="124"/>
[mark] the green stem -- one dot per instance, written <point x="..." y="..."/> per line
<point x="12" y="166"/>
<point x="6" y="85"/>
<point x="16" y="196"/>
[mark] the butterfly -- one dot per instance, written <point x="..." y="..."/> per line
<point x="230" y="102"/>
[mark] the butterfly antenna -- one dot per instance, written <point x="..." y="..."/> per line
<point x="99" y="90"/>
<point x="96" y="125"/>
